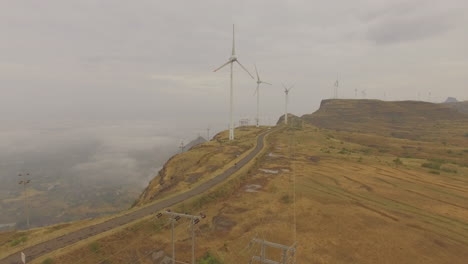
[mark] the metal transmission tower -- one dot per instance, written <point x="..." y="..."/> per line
<point x="26" y="205"/>
<point x="176" y="217"/>
<point x="181" y="146"/>
<point x="288" y="252"/>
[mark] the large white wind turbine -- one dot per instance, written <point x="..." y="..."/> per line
<point x="231" y="61"/>
<point x="257" y="91"/>
<point x="286" y="92"/>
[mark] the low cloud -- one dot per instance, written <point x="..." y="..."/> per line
<point x="115" y="154"/>
<point x="396" y="30"/>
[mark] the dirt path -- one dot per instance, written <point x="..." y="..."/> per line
<point x="40" y="249"/>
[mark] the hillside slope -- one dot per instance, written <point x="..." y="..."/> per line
<point x="360" y="198"/>
<point x="200" y="163"/>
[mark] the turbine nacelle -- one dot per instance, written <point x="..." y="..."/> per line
<point x="233" y="58"/>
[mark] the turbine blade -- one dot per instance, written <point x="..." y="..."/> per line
<point x="245" y="69"/>
<point x="258" y="77"/>
<point x="256" y="91"/>
<point x="267" y="83"/>
<point x="284" y="86"/>
<point x="292" y="86"/>
<point x="233" y="41"/>
<point x="222" y="66"/>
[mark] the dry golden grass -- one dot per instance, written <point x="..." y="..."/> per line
<point x="359" y="199"/>
<point x="189" y="169"/>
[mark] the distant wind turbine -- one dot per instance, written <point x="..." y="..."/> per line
<point x="286" y="92"/>
<point x="336" y="86"/>
<point x="231" y="61"/>
<point x="257" y="91"/>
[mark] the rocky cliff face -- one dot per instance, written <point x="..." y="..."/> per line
<point x="401" y="119"/>
<point x="459" y="106"/>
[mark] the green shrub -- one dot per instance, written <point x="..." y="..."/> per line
<point x="344" y="151"/>
<point x="209" y="259"/>
<point x="94" y="247"/>
<point x="48" y="261"/>
<point x="449" y="170"/>
<point x="441" y="161"/>
<point x="285" y="199"/>
<point x="466" y="135"/>
<point x="434" y="172"/>
<point x="434" y="166"/>
<point x="19" y="241"/>
<point x="398" y="161"/>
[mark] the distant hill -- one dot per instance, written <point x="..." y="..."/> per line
<point x="451" y="100"/>
<point x="459" y="106"/>
<point x="199" y="140"/>
<point x="402" y="119"/>
<point x="291" y="117"/>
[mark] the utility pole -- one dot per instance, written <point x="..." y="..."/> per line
<point x="26" y="207"/>
<point x="194" y="219"/>
<point x="288" y="251"/>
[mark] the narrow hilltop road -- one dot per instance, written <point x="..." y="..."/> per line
<point x="40" y="249"/>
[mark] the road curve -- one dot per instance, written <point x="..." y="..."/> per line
<point x="40" y="249"/>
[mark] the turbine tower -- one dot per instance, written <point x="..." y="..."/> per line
<point x="337" y="84"/>
<point x="286" y="92"/>
<point x="257" y="91"/>
<point x="231" y="61"/>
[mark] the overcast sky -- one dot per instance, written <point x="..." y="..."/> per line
<point x="153" y="60"/>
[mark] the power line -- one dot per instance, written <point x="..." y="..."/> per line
<point x="26" y="205"/>
<point x="194" y="219"/>
<point x="288" y="252"/>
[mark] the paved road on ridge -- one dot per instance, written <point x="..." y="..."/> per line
<point x="40" y="249"/>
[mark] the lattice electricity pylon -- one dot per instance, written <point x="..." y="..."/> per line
<point x="195" y="219"/>
<point x="288" y="252"/>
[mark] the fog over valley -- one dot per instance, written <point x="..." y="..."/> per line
<point x="81" y="169"/>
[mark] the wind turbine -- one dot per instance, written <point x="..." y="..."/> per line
<point x="286" y="92"/>
<point x="257" y="91"/>
<point x="231" y="61"/>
